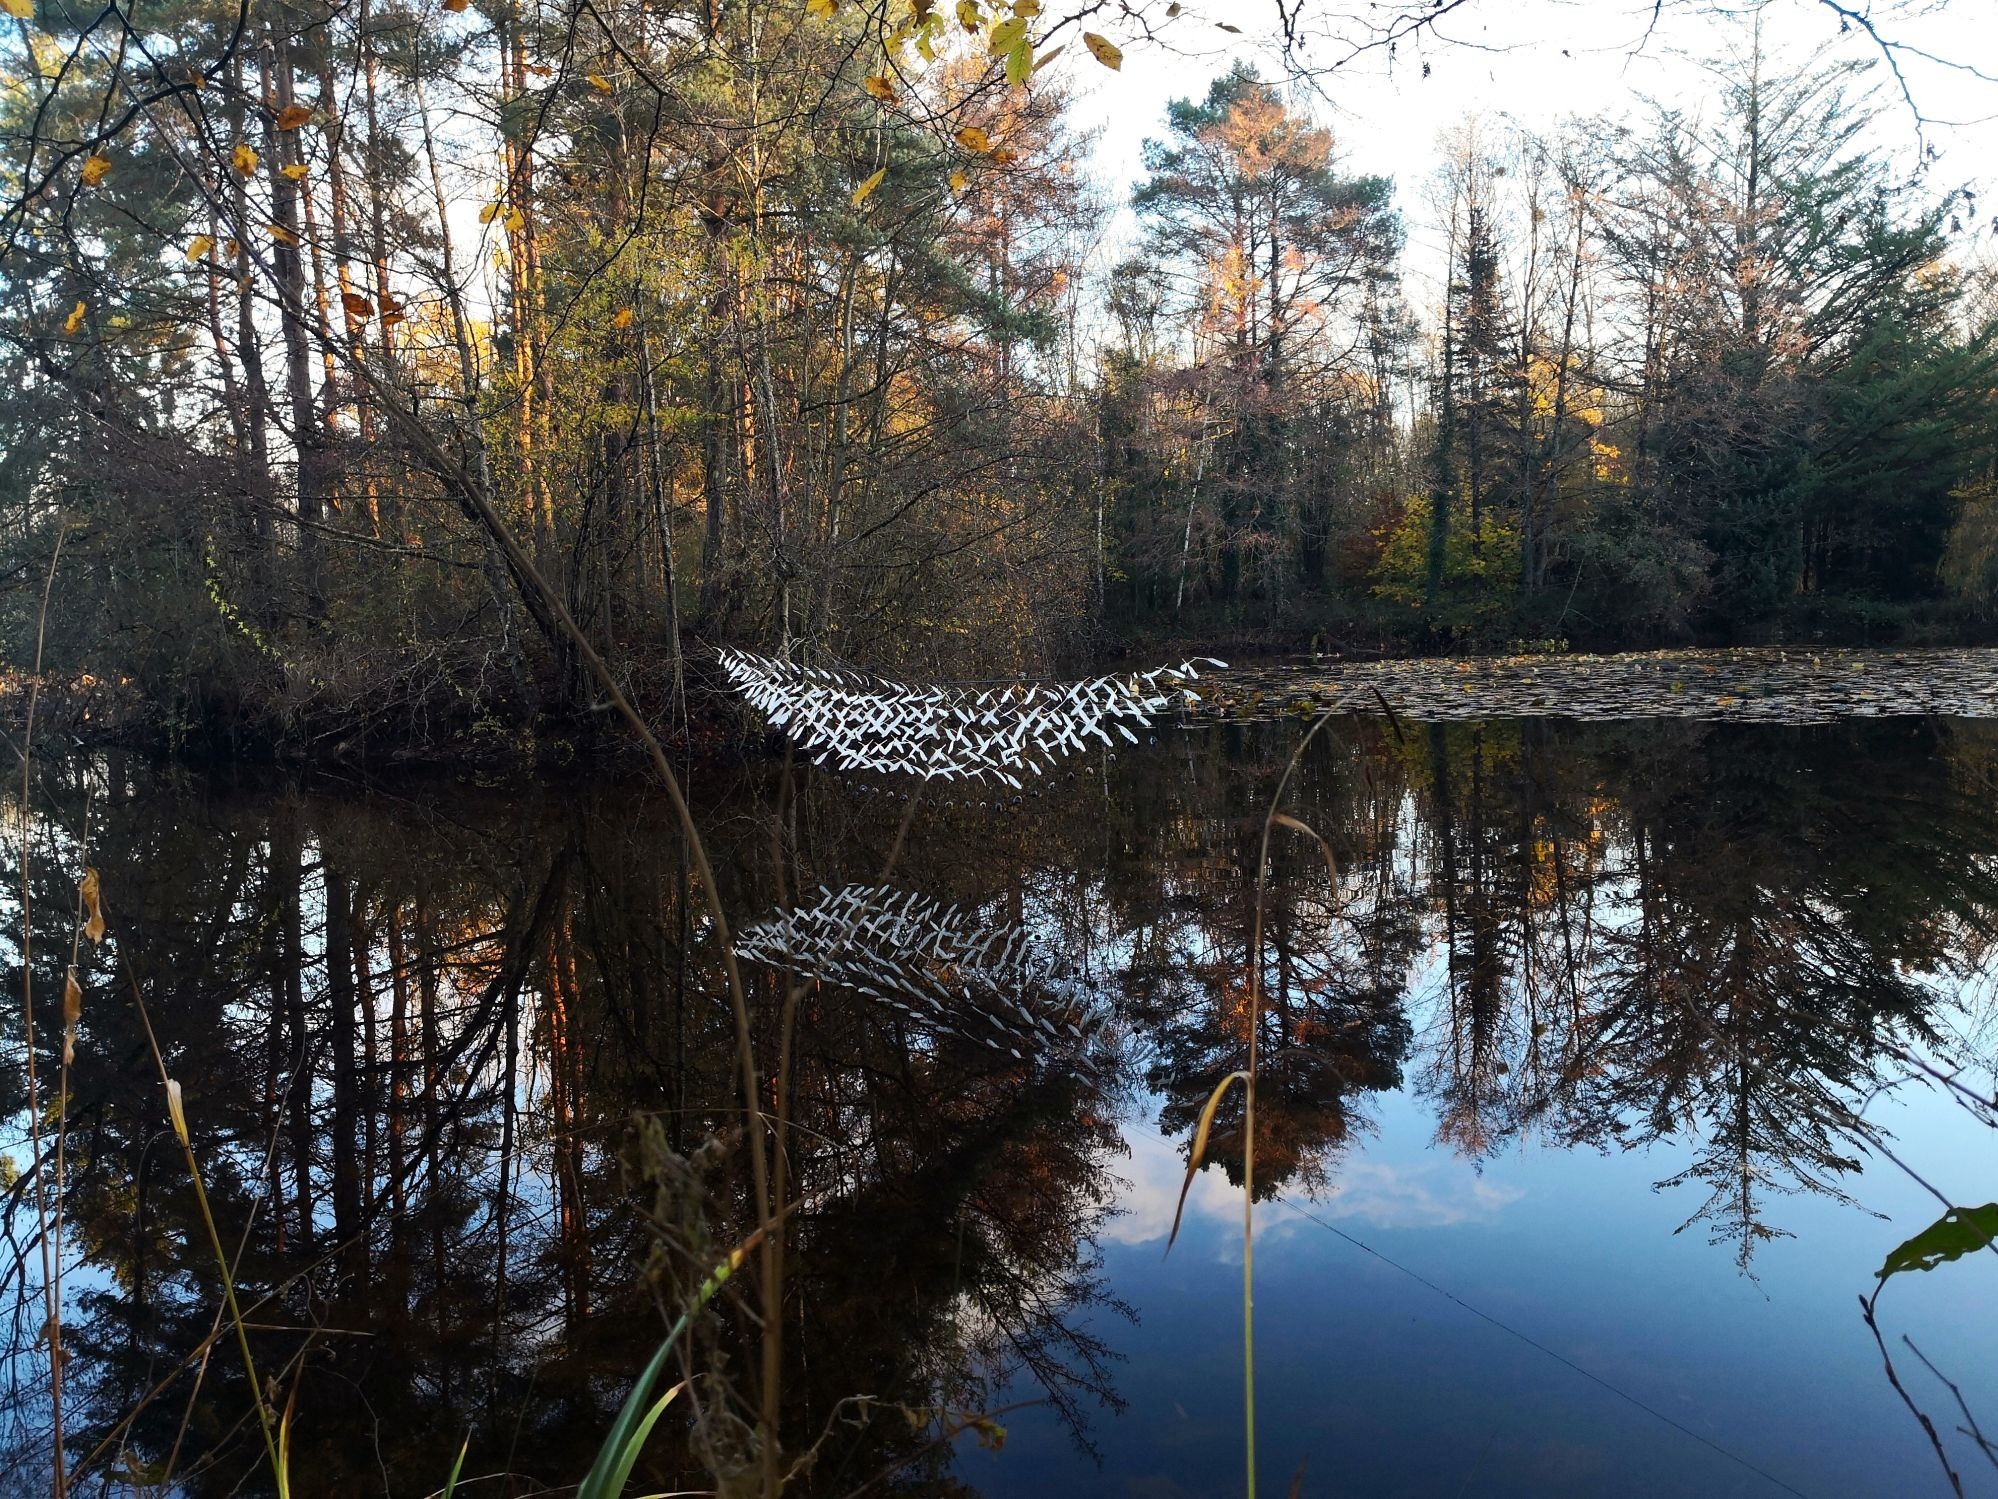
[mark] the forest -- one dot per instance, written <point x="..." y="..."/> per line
<point x="368" y="370"/>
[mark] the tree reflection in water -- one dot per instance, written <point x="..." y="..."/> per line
<point x="467" y="1050"/>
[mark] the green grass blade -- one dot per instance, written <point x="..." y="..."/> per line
<point x="634" y="1420"/>
<point x="451" y="1483"/>
<point x="628" y="1459"/>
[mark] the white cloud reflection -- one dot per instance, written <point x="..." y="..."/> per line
<point x="1436" y="1192"/>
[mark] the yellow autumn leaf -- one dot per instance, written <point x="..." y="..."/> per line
<point x="958" y="181"/>
<point x="1103" y="50"/>
<point x="244" y="160"/>
<point x="968" y="16"/>
<point x="621" y="318"/>
<point x="860" y="193"/>
<point x="879" y="86"/>
<point x="20" y="10"/>
<point x="95" y="168"/>
<point x="974" y="139"/>
<point x="232" y="249"/>
<point x="292" y="116"/>
<point x="295" y="172"/>
<point x="199" y="246"/>
<point x="75" y="319"/>
<point x="515" y="221"/>
<point x="598" y="82"/>
<point x="72" y="1011"/>
<point x="357" y="305"/>
<point x="1005" y="156"/>
<point x="489" y="213"/>
<point x="90" y="891"/>
<point x="283" y="235"/>
<point x="823" y="9"/>
<point x="1006" y="36"/>
<point x="456" y="5"/>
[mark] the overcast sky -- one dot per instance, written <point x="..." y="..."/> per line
<point x="1538" y="61"/>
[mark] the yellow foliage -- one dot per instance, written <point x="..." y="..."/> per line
<point x="1104" y="51"/>
<point x="95" y="169"/>
<point x="75" y="319"/>
<point x="199" y="246"/>
<point x="292" y="116"/>
<point x="860" y="193"/>
<point x="244" y="160"/>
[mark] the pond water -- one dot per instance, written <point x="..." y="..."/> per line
<point x="1579" y="1085"/>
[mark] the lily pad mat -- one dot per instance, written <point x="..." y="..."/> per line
<point x="1755" y="685"/>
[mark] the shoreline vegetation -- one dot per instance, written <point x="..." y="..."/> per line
<point x="389" y="405"/>
<point x="1745" y="684"/>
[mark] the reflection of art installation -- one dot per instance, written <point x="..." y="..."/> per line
<point x="860" y="722"/>
<point x="941" y="967"/>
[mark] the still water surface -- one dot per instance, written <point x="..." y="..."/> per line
<point x="1562" y="1162"/>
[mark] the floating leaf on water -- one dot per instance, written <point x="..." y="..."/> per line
<point x="1958" y="1232"/>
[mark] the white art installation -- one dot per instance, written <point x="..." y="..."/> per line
<point x="855" y="721"/>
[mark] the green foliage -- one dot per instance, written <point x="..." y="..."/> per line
<point x="1959" y="1232"/>
<point x="1477" y="600"/>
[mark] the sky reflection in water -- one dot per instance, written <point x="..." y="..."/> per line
<point x="1572" y="1043"/>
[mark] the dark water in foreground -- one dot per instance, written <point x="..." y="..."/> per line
<point x="1560" y="1140"/>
